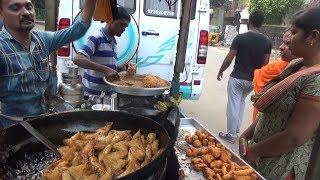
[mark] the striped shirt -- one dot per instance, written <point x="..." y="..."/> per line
<point x="100" y="47"/>
<point x="25" y="72"/>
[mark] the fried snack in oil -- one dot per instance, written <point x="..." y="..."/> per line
<point x="104" y="154"/>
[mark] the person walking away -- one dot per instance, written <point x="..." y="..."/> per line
<point x="24" y="57"/>
<point x="266" y="73"/>
<point x="285" y="134"/>
<point x="98" y="55"/>
<point x="252" y="51"/>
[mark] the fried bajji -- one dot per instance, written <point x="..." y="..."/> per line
<point x="200" y="166"/>
<point x="225" y="156"/>
<point x="196" y="160"/>
<point x="244" y="172"/>
<point x="189" y="139"/>
<point x="207" y="159"/>
<point x="204" y="150"/>
<point x="216" y="164"/>
<point x="197" y="143"/>
<point x="209" y="172"/>
<point x="228" y="175"/>
<point x="214" y="160"/>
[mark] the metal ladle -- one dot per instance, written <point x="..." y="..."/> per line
<point x="35" y="133"/>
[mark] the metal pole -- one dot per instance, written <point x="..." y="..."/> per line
<point x="181" y="47"/>
<point x="51" y="11"/>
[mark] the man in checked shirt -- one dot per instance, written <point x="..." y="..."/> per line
<point x="24" y="64"/>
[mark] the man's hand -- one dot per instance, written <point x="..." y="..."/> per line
<point x="88" y="10"/>
<point x="111" y="75"/>
<point x="220" y="75"/>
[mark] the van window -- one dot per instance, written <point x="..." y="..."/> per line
<point x="129" y="5"/>
<point x="161" y="8"/>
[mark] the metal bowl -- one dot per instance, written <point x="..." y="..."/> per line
<point x="137" y="91"/>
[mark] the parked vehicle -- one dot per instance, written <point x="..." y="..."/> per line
<point x="214" y="35"/>
<point x="150" y="39"/>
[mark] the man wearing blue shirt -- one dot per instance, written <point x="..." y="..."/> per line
<point x="98" y="55"/>
<point x="24" y="63"/>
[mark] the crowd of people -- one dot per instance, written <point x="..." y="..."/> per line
<point x="287" y="91"/>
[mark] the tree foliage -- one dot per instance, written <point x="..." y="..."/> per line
<point x="225" y="4"/>
<point x="276" y="10"/>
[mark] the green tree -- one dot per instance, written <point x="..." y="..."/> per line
<point x="226" y="4"/>
<point x="40" y="9"/>
<point x="276" y="10"/>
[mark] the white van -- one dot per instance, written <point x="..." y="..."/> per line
<point x="150" y="40"/>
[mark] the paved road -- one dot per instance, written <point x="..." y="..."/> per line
<point x="210" y="109"/>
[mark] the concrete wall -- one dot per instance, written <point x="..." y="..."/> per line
<point x="275" y="33"/>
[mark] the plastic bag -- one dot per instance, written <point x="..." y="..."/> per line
<point x="103" y="11"/>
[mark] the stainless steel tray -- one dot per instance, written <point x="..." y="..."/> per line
<point x="136" y="91"/>
<point x="189" y="126"/>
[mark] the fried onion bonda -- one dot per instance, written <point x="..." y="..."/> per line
<point x="214" y="159"/>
